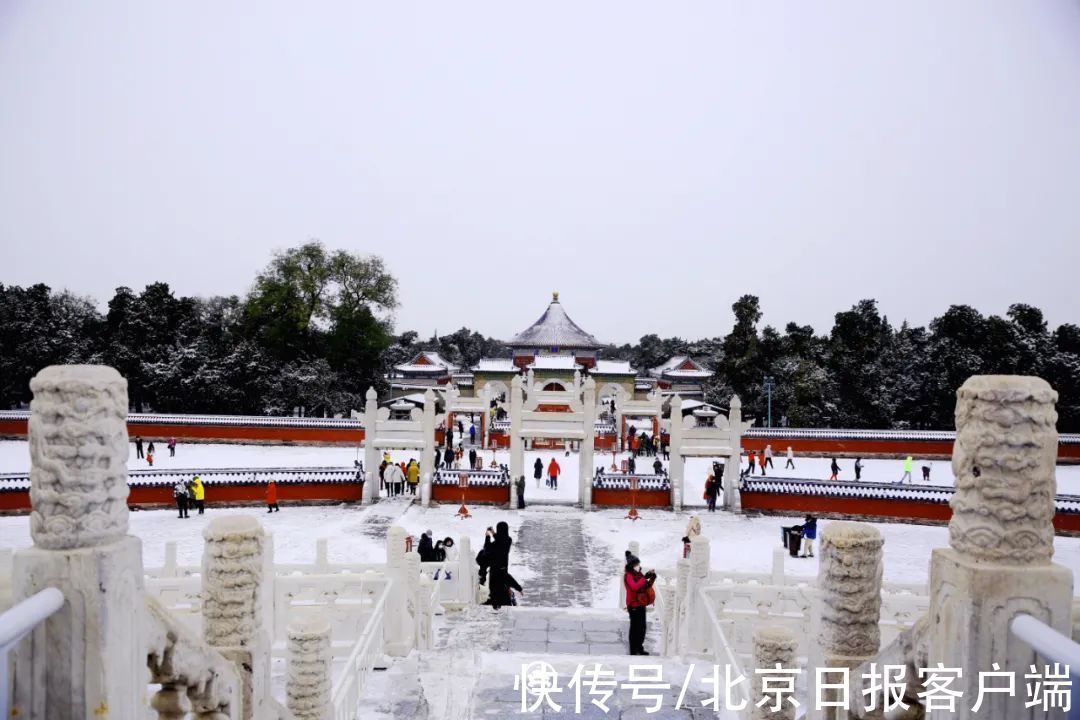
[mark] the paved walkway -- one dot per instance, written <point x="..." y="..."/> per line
<point x="552" y="545"/>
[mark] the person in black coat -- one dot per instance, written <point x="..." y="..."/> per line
<point x="497" y="545"/>
<point x="538" y="471"/>
<point x="448" y="457"/>
<point x="472" y="458"/>
<point x="425" y="549"/>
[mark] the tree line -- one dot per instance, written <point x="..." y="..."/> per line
<point x="315" y="331"/>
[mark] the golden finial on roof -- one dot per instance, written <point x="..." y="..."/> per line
<point x="555" y="296"/>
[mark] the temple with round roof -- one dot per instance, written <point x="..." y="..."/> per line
<point x="553" y="348"/>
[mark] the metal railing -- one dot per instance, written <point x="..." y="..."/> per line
<point x="15" y="624"/>
<point x="1054" y="647"/>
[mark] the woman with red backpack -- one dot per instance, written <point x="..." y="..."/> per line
<point x="639" y="595"/>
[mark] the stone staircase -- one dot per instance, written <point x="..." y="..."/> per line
<point x="479" y="653"/>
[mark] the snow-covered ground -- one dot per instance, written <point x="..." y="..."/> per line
<point x="739" y="542"/>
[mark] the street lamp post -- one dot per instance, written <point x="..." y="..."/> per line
<point x="769" y="384"/>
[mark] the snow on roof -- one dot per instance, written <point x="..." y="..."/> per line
<point x="427" y="361"/>
<point x="554" y="329"/>
<point x="681" y="366"/>
<point x="555" y="362"/>
<point x="614" y="367"/>
<point x="695" y="404"/>
<point x="495" y="365"/>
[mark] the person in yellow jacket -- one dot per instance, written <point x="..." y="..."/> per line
<point x="412" y="476"/>
<point x="909" y="463"/>
<point x="198" y="491"/>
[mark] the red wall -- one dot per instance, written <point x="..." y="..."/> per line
<point x="487" y="494"/>
<point x="622" y="498"/>
<point x="871" y="508"/>
<point x="245" y="433"/>
<point x="227" y="493"/>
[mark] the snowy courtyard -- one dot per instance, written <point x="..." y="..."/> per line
<point x="357" y="533"/>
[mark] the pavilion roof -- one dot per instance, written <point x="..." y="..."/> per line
<point x="555" y="329"/>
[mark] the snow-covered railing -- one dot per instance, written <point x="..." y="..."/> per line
<point x="213" y="476"/>
<point x="500" y="426"/>
<point x="724" y="654"/>
<point x="182" y="664"/>
<point x="621" y="481"/>
<point x="1053" y="647"/>
<point x="345" y="600"/>
<point x="14" y="626"/>
<point x="842" y="434"/>
<point x="365" y="652"/>
<point x="938" y="494"/>
<point x="476" y="477"/>
<point x="241" y="420"/>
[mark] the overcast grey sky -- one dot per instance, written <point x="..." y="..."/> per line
<point x="651" y="161"/>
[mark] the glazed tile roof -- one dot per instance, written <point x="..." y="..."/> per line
<point x="555" y="329"/>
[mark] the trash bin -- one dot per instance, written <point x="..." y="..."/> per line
<point x="794" y="541"/>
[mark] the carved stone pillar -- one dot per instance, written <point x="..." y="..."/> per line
<point x="848" y="604"/>
<point x="427" y="454"/>
<point x="698" y="635"/>
<point x="517" y="450"/>
<point x="1002" y="539"/>
<point x="235" y="594"/>
<point x="585" y="458"/>
<point x="676" y="465"/>
<point x="90" y="655"/>
<point x="307" y="684"/>
<point x="772" y="646"/>
<point x="399" y="619"/>
<point x="371" y="453"/>
<point x="732" y="498"/>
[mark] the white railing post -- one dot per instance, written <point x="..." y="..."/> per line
<point x="698" y="634"/>
<point x="846" y="607"/>
<point x="307" y="684"/>
<point x="772" y="646"/>
<point x="778" y="555"/>
<point x="1002" y="539"/>
<point x="236" y="597"/>
<point x="322" y="556"/>
<point x="169" y="569"/>
<point x="468" y="579"/>
<point x="398" y="625"/>
<point x="91" y="654"/>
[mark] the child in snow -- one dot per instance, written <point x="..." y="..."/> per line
<point x="835" y="467"/>
<point x="790" y="464"/>
<point x="858" y="469"/>
<point x="150" y="458"/>
<point x="752" y="462"/>
<point x="926" y="473"/>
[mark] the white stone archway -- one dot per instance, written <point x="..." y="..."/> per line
<point x="721" y="438"/>
<point x="382" y="433"/>
<point x="577" y="424"/>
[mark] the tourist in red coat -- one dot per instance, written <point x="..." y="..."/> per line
<point x="638" y="597"/>
<point x="271" y="497"/>
<point x="553" y="474"/>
